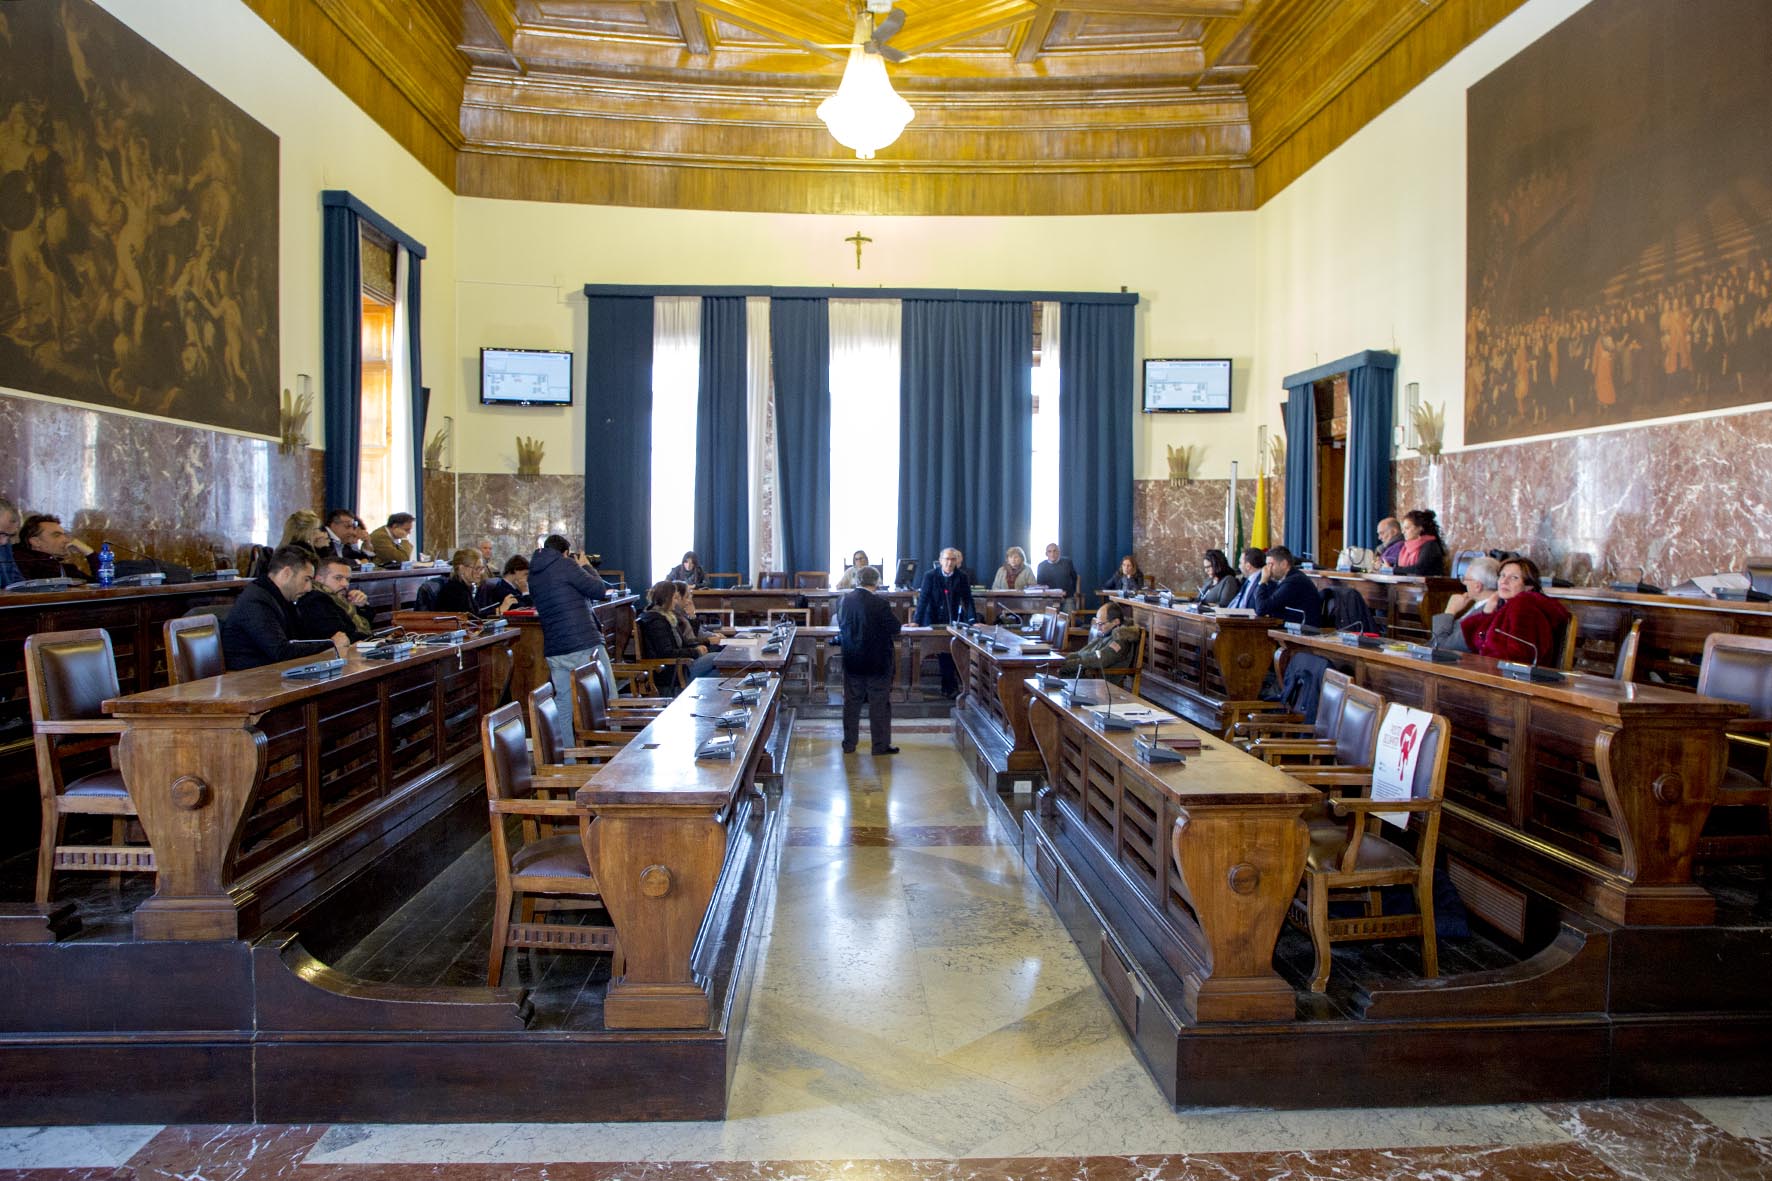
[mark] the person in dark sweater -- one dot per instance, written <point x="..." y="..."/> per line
<point x="509" y="590"/>
<point x="1059" y="573"/>
<point x="263" y="627"/>
<point x="946" y="597"/>
<point x="467" y="569"/>
<point x="1287" y="594"/>
<point x="866" y="625"/>
<point x="662" y="640"/>
<point x="564" y="586"/>
<point x="332" y="606"/>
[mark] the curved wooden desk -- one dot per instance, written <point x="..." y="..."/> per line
<point x="1206" y="667"/>
<point x="991" y="716"/>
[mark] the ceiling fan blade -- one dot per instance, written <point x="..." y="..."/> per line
<point x="887" y="29"/>
<point x="890" y="54"/>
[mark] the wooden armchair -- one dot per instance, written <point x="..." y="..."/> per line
<point x="726" y="578"/>
<point x="68" y="676"/>
<point x="1343" y="759"/>
<point x="716" y="617"/>
<point x="1563" y="645"/>
<point x="1739" y="668"/>
<point x="812" y="580"/>
<point x="772" y="580"/>
<point x="1624" y="665"/>
<point x="1133" y="670"/>
<point x="592" y="723"/>
<point x="1244" y="733"/>
<point x="556" y="765"/>
<point x="620" y="704"/>
<point x="540" y="870"/>
<point x="1056" y="631"/>
<point x="1350" y="860"/>
<point x="655" y="669"/>
<point x="193" y="648"/>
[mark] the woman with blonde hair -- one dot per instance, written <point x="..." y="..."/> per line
<point x="1014" y="573"/>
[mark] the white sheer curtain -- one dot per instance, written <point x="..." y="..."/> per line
<point x="765" y="514"/>
<point x="676" y="376"/>
<point x="1043" y="519"/>
<point x="865" y="343"/>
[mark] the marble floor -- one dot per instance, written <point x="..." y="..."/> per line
<point x="920" y="1013"/>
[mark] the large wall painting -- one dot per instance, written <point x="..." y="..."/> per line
<point x="1619" y="220"/>
<point x="138" y="215"/>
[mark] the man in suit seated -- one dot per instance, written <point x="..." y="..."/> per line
<point x="1286" y="593"/>
<point x="344" y="538"/>
<point x="1113" y="639"/>
<point x="1251" y="563"/>
<point x="392" y="543"/>
<point x="332" y="606"/>
<point x="263" y="627"/>
<point x="49" y="551"/>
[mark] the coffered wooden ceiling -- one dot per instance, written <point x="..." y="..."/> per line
<point x="1022" y="106"/>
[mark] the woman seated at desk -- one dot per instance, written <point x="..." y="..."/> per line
<point x="1015" y="573"/>
<point x="467" y="569"/>
<point x="1221" y="585"/>
<point x="1520" y="621"/>
<point x="688" y="570"/>
<point x="1423" y="552"/>
<point x="1129" y="580"/>
<point x="688" y="630"/>
<point x="661" y="641"/>
<point x="1481" y="577"/>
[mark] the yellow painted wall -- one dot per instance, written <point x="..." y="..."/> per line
<point x="520" y="268"/>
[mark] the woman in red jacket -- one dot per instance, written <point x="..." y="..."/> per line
<point x="1520" y="621"/>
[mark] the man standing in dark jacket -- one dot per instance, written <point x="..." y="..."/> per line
<point x="866" y="625"/>
<point x="946" y="597"/>
<point x="262" y="627"/>
<point x="564" y="586"/>
<point x="1287" y="594"/>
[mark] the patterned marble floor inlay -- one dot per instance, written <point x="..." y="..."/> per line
<point x="920" y="1013"/>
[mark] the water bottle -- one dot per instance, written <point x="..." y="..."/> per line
<point x="107" y="565"/>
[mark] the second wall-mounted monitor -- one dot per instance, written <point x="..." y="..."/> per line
<point x="1176" y="385"/>
<point x="525" y="377"/>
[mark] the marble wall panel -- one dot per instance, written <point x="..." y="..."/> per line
<point x="439" y="514"/>
<point x="1675" y="499"/>
<point x="174" y="490"/>
<point x="1172" y="526"/>
<point x="517" y="512"/>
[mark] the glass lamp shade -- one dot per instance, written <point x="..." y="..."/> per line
<point x="865" y="114"/>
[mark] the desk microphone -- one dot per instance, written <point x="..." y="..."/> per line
<point x="1530" y="671"/>
<point x="1298" y="629"/>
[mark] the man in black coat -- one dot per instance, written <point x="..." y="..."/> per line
<point x="564" y="586"/>
<point x="1287" y="593"/>
<point x="866" y="625"/>
<point x="262" y="627"/>
<point x="332" y="606"/>
<point x="946" y="597"/>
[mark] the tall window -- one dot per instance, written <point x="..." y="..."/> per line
<point x="375" y="475"/>
<point x="865" y="344"/>
<point x="1043" y="515"/>
<point x="676" y="381"/>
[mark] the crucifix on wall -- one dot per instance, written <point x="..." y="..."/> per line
<point x="859" y="241"/>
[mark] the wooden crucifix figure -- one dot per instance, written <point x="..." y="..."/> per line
<point x="859" y="241"/>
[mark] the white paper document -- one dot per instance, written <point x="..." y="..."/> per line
<point x="1140" y="715"/>
<point x="1399" y="749"/>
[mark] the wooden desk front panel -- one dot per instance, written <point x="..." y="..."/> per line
<point x="1206" y="667"/>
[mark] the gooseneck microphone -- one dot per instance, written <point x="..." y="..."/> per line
<point x="1529" y="671"/>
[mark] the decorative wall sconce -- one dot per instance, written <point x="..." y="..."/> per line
<point x="1181" y="463"/>
<point x="293" y="419"/>
<point x="529" y="452"/>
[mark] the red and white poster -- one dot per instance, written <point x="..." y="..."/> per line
<point x="1399" y="747"/>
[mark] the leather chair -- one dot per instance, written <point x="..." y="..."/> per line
<point x="1350" y="860"/>
<point x="1624" y="664"/>
<point x="723" y="578"/>
<point x="425" y="599"/>
<point x="772" y="580"/>
<point x="556" y="763"/>
<point x="553" y="868"/>
<point x="1349" y="752"/>
<point x="193" y="648"/>
<point x="620" y="704"/>
<point x="1276" y="726"/>
<point x="1739" y="668"/>
<point x="812" y="580"/>
<point x="592" y="723"/>
<point x="69" y="676"/>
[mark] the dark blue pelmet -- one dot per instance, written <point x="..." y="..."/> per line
<point x="618" y="434"/>
<point x="966" y="430"/>
<point x="1097" y="393"/>
<point x="722" y="478"/>
<point x="800" y="349"/>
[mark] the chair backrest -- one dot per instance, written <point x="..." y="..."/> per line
<point x="639" y="642"/>
<point x="606" y="672"/>
<point x="426" y="597"/>
<point x="1430" y="762"/>
<point x="812" y="580"/>
<point x="505" y="747"/>
<point x="1563" y="642"/>
<point x="1624" y="668"/>
<point x="69" y="675"/>
<point x="193" y="648"/>
<point x="800" y="615"/>
<point x="1329" y="701"/>
<point x="1056" y="628"/>
<point x="1357" y="738"/>
<point x="724" y="577"/>
<point x="772" y="580"/>
<point x="1462" y="559"/>
<point x="590" y="705"/>
<point x="547" y="727"/>
<point x="1735" y="668"/>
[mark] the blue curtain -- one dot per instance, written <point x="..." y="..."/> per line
<point x="965" y="430"/>
<point x="1097" y="392"/>
<point x="1371" y="411"/>
<point x="421" y="399"/>
<point x="800" y="351"/>
<point x="1299" y="527"/>
<point x="618" y="433"/>
<point x="722" y="476"/>
<point x="341" y="353"/>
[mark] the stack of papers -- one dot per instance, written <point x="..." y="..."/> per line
<point x="1136" y="713"/>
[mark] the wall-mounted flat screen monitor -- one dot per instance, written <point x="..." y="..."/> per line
<point x="1187" y="386"/>
<point x="525" y="377"/>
